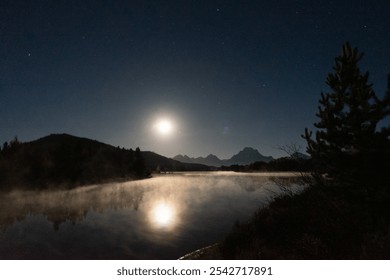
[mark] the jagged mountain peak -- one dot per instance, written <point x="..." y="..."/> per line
<point x="248" y="151"/>
<point x="245" y="156"/>
<point x="211" y="156"/>
<point x="248" y="155"/>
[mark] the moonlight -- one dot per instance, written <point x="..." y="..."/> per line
<point x="164" y="127"/>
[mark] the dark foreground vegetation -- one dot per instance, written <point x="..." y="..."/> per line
<point x="66" y="161"/>
<point x="344" y="213"/>
<point x="316" y="224"/>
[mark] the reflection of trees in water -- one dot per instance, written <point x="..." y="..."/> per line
<point x="67" y="206"/>
<point x="269" y="181"/>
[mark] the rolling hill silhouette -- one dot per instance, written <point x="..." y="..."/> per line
<point x="68" y="161"/>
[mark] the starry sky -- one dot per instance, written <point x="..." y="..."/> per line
<point x="227" y="74"/>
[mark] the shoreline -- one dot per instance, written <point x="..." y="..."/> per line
<point x="210" y="252"/>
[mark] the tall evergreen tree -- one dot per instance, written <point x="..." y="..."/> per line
<point x="348" y="146"/>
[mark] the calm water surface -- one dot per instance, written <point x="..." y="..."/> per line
<point x="163" y="217"/>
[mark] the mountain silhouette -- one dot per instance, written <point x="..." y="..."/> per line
<point x="69" y="161"/>
<point x="244" y="157"/>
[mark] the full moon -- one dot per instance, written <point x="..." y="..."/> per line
<point x="164" y="127"/>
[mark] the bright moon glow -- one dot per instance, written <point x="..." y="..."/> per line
<point x="163" y="215"/>
<point x="164" y="127"/>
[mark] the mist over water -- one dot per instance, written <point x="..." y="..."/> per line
<point x="163" y="217"/>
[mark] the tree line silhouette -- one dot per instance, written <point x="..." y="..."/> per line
<point x="68" y="161"/>
<point x="283" y="164"/>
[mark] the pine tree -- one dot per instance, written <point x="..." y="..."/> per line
<point x="347" y="144"/>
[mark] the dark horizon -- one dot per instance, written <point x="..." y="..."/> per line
<point x="287" y="153"/>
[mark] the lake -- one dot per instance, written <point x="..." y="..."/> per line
<point x="163" y="217"/>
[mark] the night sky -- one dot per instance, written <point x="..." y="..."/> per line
<point x="227" y="74"/>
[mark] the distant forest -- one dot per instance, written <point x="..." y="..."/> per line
<point x="67" y="161"/>
<point x="292" y="163"/>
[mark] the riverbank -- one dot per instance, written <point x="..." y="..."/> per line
<point x="211" y="252"/>
<point x="317" y="223"/>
